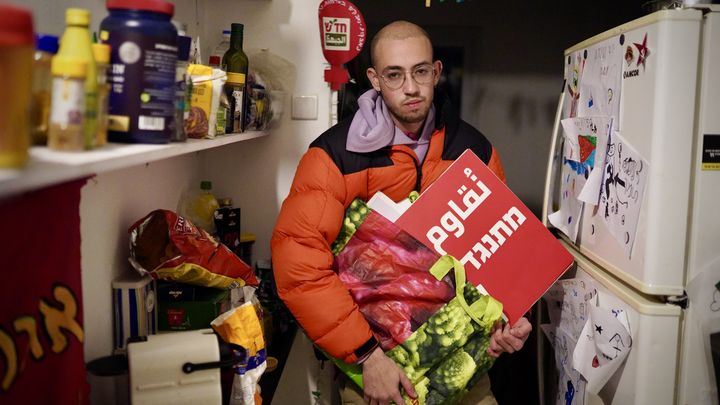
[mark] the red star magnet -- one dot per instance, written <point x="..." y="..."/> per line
<point x="643" y="51"/>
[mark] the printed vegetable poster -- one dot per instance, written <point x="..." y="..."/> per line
<point x="603" y="345"/>
<point x="622" y="189"/>
<point x="599" y="91"/>
<point x="585" y="142"/>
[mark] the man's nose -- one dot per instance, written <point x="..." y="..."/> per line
<point x="410" y="86"/>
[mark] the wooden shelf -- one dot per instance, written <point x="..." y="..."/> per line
<point x="47" y="167"/>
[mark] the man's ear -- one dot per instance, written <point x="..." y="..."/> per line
<point x="374" y="78"/>
<point x="437" y="65"/>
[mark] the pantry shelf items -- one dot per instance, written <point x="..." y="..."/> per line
<point x="47" y="167"/>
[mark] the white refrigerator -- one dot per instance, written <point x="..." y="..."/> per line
<point x="633" y="191"/>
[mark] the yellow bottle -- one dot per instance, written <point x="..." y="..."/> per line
<point x="66" y="131"/>
<point x="202" y="210"/>
<point x="102" y="61"/>
<point x="76" y="43"/>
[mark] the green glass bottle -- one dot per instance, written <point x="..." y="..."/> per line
<point x="235" y="63"/>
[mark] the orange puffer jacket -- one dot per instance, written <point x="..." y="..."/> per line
<point x="327" y="180"/>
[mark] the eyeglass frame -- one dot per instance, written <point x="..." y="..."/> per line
<point x="405" y="73"/>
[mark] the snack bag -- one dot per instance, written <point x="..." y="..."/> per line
<point x="432" y="323"/>
<point x="241" y="327"/>
<point x="169" y="247"/>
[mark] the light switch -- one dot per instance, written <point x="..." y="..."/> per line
<point x="305" y="107"/>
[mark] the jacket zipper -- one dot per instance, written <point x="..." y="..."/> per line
<point x="418" y="169"/>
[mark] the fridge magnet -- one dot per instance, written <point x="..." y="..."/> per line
<point x="643" y="52"/>
<point x="603" y="345"/>
<point x="622" y="190"/>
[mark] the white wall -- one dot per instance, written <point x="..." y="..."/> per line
<point x="257" y="174"/>
<point x="516" y="112"/>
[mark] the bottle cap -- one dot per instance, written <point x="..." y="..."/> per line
<point x="101" y="52"/>
<point x="237" y="27"/>
<point x="226" y="33"/>
<point x="16" y="26"/>
<point x="214" y="60"/>
<point x="66" y="66"/>
<point x="184" y="44"/>
<point x="77" y="16"/>
<point x="47" y="43"/>
<point x="225" y="202"/>
<point x="206" y="185"/>
<point x="157" y="6"/>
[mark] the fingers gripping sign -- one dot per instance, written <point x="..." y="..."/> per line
<point x="509" y="338"/>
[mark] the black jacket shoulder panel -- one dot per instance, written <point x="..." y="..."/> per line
<point x="459" y="135"/>
<point x="466" y="137"/>
<point x="334" y="142"/>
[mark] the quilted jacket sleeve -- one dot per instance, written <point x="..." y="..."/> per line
<point x="309" y="220"/>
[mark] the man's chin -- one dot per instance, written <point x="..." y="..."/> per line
<point x="412" y="118"/>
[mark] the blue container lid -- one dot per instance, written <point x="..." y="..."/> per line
<point x="184" y="47"/>
<point x="47" y="43"/>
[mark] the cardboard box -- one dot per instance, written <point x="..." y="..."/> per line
<point x="188" y="307"/>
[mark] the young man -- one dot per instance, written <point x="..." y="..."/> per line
<point x="401" y="139"/>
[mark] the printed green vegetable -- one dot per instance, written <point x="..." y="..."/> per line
<point x="354" y="216"/>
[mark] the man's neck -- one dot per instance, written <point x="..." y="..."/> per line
<point x="413" y="128"/>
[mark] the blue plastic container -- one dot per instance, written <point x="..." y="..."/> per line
<point x="142" y="72"/>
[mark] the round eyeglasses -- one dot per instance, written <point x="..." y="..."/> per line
<point x="395" y="78"/>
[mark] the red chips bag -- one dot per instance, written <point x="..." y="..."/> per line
<point x="169" y="247"/>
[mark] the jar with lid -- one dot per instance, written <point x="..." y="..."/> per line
<point x="143" y="56"/>
<point x="67" y="114"/>
<point x="16" y="59"/>
<point x="45" y="48"/>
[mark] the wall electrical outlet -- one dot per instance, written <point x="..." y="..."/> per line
<point x="305" y="107"/>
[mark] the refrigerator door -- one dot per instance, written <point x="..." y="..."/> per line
<point x="648" y="373"/>
<point x="658" y="80"/>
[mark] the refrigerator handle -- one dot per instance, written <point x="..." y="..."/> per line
<point x="550" y="172"/>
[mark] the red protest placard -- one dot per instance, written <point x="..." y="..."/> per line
<point x="470" y="214"/>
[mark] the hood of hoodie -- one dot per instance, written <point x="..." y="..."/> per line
<point x="372" y="127"/>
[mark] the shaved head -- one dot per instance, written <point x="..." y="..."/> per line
<point x="397" y="30"/>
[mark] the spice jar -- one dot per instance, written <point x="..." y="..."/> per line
<point x="16" y="60"/>
<point x="67" y="114"/>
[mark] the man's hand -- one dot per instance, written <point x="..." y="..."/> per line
<point x="382" y="379"/>
<point x="508" y="339"/>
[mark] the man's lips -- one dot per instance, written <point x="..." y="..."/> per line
<point x="412" y="103"/>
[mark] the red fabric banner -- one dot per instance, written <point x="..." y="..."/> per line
<point x="41" y="323"/>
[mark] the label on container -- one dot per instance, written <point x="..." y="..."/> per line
<point x="142" y="85"/>
<point x="68" y="102"/>
<point x="711" y="152"/>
